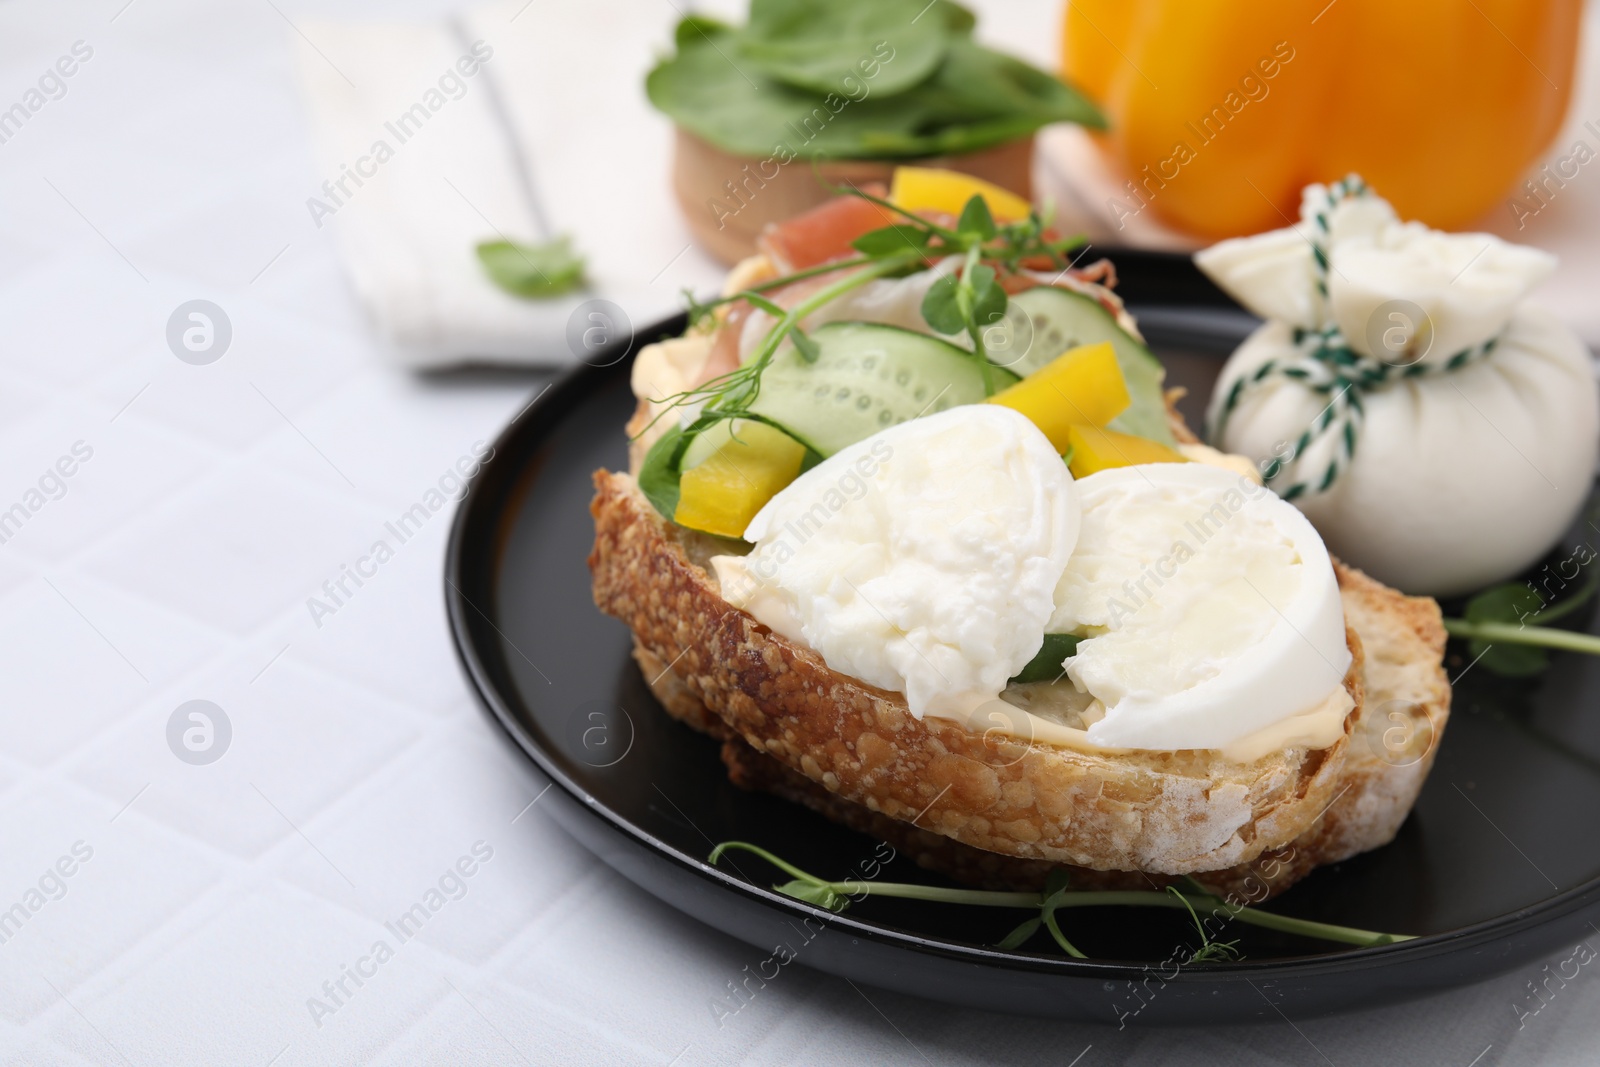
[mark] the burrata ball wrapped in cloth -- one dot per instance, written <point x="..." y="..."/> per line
<point x="1438" y="430"/>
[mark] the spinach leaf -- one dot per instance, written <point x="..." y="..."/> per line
<point x="694" y="28"/>
<point x="973" y="99"/>
<point x="705" y="93"/>
<point x="957" y="19"/>
<point x="1046" y="666"/>
<point x="659" y="473"/>
<point x="539" y="270"/>
<point x="977" y="83"/>
<point x="828" y="46"/>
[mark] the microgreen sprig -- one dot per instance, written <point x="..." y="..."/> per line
<point x="1209" y="949"/>
<point x="1008" y="243"/>
<point x="1056" y="896"/>
<point x="960" y="303"/>
<point x="730" y="395"/>
<point x="966" y="303"/>
<point x="1505" y="627"/>
<point x="700" y="310"/>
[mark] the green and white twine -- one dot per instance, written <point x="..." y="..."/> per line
<point x="1326" y="365"/>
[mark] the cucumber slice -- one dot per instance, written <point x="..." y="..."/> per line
<point x="708" y="441"/>
<point x="704" y="443"/>
<point x="866" y="377"/>
<point x="1063" y="319"/>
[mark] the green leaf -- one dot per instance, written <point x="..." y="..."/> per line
<point x="988" y="297"/>
<point x="957" y="19"/>
<point x="829" y="46"/>
<point x="1046" y="666"/>
<point x="1519" y="604"/>
<point x="980" y="84"/>
<point x="892" y="239"/>
<point x="1017" y="937"/>
<point x="809" y="350"/>
<point x="693" y="29"/>
<point x="538" y="270"/>
<point x="976" y="220"/>
<point x="1513" y="602"/>
<point x="811" y="893"/>
<point x="941" y="306"/>
<point x="771" y="307"/>
<point x="1057" y="881"/>
<point x="659" y="474"/>
<point x="1507" y="660"/>
<point x="973" y="99"/>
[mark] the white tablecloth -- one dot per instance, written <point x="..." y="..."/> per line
<point x="211" y="908"/>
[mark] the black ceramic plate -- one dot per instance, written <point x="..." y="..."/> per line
<point x="1498" y="864"/>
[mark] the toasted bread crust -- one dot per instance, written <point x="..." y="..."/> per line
<point x="1167" y="812"/>
<point x="1385" y="767"/>
<point x="1408" y="705"/>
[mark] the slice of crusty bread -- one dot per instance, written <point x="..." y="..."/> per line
<point x="1159" y="812"/>
<point x="993" y="810"/>
<point x="1394" y="738"/>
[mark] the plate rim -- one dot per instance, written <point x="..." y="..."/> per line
<point x="477" y="518"/>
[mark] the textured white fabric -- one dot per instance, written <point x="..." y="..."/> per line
<point x="562" y="87"/>
<point x="177" y="565"/>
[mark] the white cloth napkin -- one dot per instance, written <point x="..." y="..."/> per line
<point x="550" y="135"/>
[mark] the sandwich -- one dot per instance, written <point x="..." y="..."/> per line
<point x="911" y="529"/>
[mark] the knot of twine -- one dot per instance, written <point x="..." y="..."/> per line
<point x="1325" y="364"/>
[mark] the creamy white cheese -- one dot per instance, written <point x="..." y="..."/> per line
<point x="1210" y="604"/>
<point x="1460" y="479"/>
<point x="922" y="560"/>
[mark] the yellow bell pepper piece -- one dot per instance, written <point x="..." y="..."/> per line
<point x="1221" y="110"/>
<point x="1083" y="385"/>
<point x="933" y="189"/>
<point x="1096" y="449"/>
<point x="722" y="494"/>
